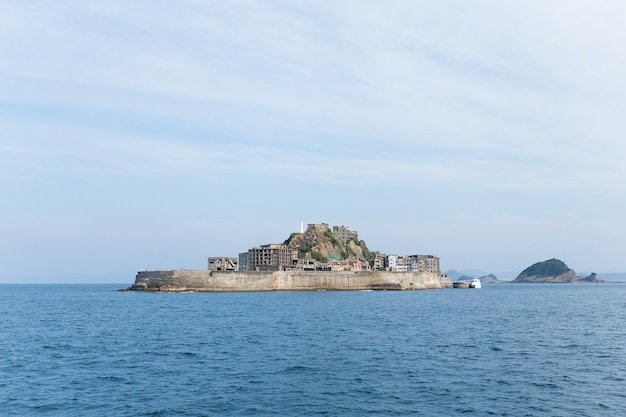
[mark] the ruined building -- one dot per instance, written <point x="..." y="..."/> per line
<point x="270" y="257"/>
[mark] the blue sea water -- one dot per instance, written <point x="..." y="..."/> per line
<point x="503" y="350"/>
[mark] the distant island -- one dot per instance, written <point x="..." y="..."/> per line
<point x="485" y="279"/>
<point x="553" y="271"/>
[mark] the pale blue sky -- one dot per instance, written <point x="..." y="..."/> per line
<point x="154" y="134"/>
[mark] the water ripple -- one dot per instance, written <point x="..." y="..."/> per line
<point x="506" y="350"/>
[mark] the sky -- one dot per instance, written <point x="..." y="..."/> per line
<point x="153" y="134"/>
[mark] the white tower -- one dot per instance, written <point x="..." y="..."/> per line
<point x="301" y="226"/>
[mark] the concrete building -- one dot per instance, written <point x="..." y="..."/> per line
<point x="415" y="263"/>
<point x="243" y="262"/>
<point x="391" y="262"/>
<point x="222" y="263"/>
<point x="378" y="263"/>
<point x="270" y="257"/>
<point x="344" y="234"/>
<point x="428" y="263"/>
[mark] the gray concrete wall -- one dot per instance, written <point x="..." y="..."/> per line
<point x="203" y="280"/>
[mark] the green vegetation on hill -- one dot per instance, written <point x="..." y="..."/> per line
<point x="367" y="254"/>
<point x="549" y="268"/>
<point x="318" y="256"/>
<point x="553" y="271"/>
<point x="290" y="238"/>
<point x="331" y="237"/>
<point x="321" y="244"/>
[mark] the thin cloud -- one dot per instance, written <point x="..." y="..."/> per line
<point x="518" y="104"/>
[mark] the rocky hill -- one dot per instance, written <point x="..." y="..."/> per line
<point x="482" y="276"/>
<point x="552" y="271"/>
<point x="318" y="242"/>
<point x="488" y="279"/>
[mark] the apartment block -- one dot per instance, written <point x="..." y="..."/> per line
<point x="344" y="233"/>
<point x="415" y="263"/>
<point x="270" y="257"/>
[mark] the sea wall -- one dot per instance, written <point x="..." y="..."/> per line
<point x="204" y="280"/>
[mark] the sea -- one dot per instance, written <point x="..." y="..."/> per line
<point x="503" y="350"/>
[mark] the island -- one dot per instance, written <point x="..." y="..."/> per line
<point x="553" y="271"/>
<point x="318" y="258"/>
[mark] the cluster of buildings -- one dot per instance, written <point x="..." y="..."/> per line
<point x="280" y="257"/>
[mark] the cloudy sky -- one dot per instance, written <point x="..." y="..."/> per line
<point x="152" y="134"/>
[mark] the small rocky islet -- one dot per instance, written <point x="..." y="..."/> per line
<point x="553" y="271"/>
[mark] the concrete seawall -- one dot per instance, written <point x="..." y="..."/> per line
<point x="215" y="281"/>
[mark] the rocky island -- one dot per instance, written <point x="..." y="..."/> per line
<point x="552" y="271"/>
<point x="319" y="258"/>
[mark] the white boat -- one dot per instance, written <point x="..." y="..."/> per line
<point x="475" y="283"/>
